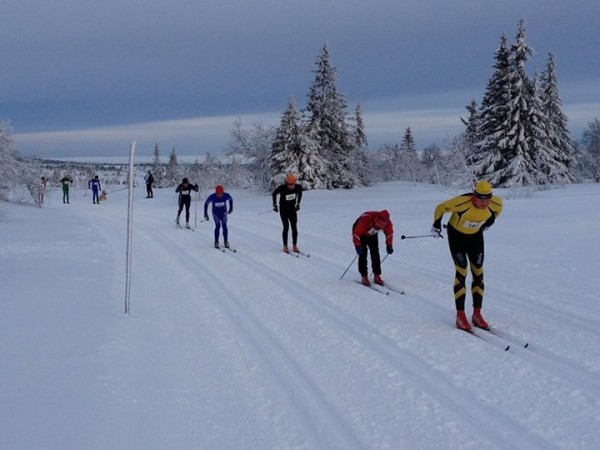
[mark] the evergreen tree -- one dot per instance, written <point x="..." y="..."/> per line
<point x="472" y="124"/>
<point x="172" y="173"/>
<point x="559" y="145"/>
<point x="412" y="168"/>
<point x="327" y="110"/>
<point x="285" y="152"/>
<point x="537" y="134"/>
<point x="360" y="162"/>
<point x="157" y="167"/>
<point x="295" y="151"/>
<point x="505" y="155"/>
<point x="491" y="135"/>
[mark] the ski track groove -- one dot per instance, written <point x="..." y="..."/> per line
<point x="295" y="381"/>
<point x="484" y="417"/>
<point x="552" y="363"/>
<point x="544" y="358"/>
<point x="388" y="350"/>
<point x="167" y="243"/>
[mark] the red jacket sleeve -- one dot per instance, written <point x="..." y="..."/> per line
<point x="388" y="230"/>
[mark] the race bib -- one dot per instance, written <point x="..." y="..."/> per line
<point x="471" y="225"/>
<point x="219" y="204"/>
<point x="290" y="197"/>
<point x="185" y="192"/>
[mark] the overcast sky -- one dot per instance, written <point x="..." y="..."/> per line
<point x="83" y="77"/>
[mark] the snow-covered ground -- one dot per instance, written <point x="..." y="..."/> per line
<point x="261" y="350"/>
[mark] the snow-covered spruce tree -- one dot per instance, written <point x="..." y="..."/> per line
<point x="157" y="167"/>
<point x="285" y="151"/>
<point x="537" y="135"/>
<point x="172" y="172"/>
<point x="360" y="161"/>
<point x="327" y="122"/>
<point x="521" y="166"/>
<point x="412" y="169"/>
<point x="472" y="124"/>
<point x="559" y="147"/>
<point x="487" y="154"/>
<point x="508" y="158"/>
<point x="295" y="151"/>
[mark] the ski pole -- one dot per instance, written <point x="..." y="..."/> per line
<point x="417" y="237"/>
<point x="265" y="212"/>
<point x="347" y="268"/>
<point x="196" y="212"/>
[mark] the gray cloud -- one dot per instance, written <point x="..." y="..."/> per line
<point x="75" y="68"/>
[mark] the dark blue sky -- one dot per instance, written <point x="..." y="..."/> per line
<point x="87" y="77"/>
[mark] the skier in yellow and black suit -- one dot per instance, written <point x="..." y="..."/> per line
<point x="472" y="213"/>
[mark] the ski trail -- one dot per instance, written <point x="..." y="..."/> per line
<point x="421" y="374"/>
<point x="321" y="422"/>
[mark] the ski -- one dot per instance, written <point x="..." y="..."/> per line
<point x="293" y="255"/>
<point x="507" y="338"/>
<point x="502" y="345"/>
<point x="395" y="290"/>
<point x="232" y="250"/>
<point x="376" y="288"/>
<point x="307" y="255"/>
<point x="219" y="248"/>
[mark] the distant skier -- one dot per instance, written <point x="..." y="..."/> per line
<point x="65" y="187"/>
<point x="290" y="195"/>
<point x="219" y="201"/>
<point x="365" y="238"/>
<point x="149" y="179"/>
<point x="94" y="185"/>
<point x="185" y="199"/>
<point x="472" y="213"/>
<point x="41" y="190"/>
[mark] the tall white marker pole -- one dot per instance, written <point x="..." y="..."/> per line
<point x="129" y="230"/>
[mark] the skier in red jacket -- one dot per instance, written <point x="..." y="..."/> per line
<point x="364" y="236"/>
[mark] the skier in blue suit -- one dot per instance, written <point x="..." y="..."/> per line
<point x="219" y="210"/>
<point x="94" y="185"/>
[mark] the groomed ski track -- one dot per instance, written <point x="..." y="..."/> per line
<point x="258" y="350"/>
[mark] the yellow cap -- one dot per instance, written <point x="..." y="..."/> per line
<point x="483" y="189"/>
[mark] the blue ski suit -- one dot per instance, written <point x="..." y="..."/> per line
<point x="219" y="212"/>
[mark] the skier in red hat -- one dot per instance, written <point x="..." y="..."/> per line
<point x="219" y="212"/>
<point x="365" y="237"/>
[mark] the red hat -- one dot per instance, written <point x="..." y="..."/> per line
<point x="291" y="179"/>
<point x="219" y="189"/>
<point x="383" y="216"/>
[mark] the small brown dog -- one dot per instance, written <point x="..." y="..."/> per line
<point x="102" y="196"/>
